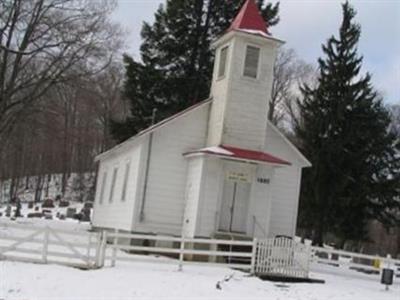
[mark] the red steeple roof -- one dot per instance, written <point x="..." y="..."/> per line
<point x="249" y="18"/>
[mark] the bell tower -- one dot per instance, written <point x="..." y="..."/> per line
<point x="242" y="81"/>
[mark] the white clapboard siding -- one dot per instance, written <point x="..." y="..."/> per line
<point x="285" y="184"/>
<point x="193" y="195"/>
<point x="260" y="204"/>
<point x="240" y="107"/>
<point x="118" y="213"/>
<point x="220" y="93"/>
<point x="284" y="197"/>
<point x="210" y="200"/>
<point x="165" y="195"/>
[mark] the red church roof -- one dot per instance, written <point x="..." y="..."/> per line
<point x="241" y="154"/>
<point x="249" y="19"/>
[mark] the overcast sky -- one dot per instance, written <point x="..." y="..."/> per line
<point x="305" y="25"/>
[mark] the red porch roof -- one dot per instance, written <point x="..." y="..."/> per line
<point x="240" y="154"/>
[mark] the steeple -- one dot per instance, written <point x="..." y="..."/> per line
<point x="249" y="19"/>
<point x="242" y="81"/>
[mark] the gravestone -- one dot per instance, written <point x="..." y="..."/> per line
<point x="71" y="212"/>
<point x="63" y="203"/>
<point x="88" y="205"/>
<point x="85" y="214"/>
<point x="48" y="216"/>
<point x="8" y="211"/>
<point x="18" y="208"/>
<point x="48" y="203"/>
<point x="35" y="215"/>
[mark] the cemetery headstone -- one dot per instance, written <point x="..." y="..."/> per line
<point x="35" y="215"/>
<point x="88" y="205"/>
<point x="85" y="215"/>
<point x="71" y="212"/>
<point x="48" y="203"/>
<point x="63" y="203"/>
<point x="8" y="211"/>
<point x="18" y="209"/>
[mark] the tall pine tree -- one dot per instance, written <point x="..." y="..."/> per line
<point x="176" y="60"/>
<point x="344" y="131"/>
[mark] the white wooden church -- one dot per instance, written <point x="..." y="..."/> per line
<point x="218" y="167"/>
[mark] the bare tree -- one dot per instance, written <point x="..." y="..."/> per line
<point x="107" y="101"/>
<point x="289" y="73"/>
<point x="45" y="42"/>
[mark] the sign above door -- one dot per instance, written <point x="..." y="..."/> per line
<point x="238" y="176"/>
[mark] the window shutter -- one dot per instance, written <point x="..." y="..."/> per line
<point x="125" y="181"/>
<point x="103" y="186"/>
<point x="114" y="178"/>
<point x="251" y="61"/>
<point x="222" y="62"/>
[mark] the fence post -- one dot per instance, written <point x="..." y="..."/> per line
<point x="114" y="249"/>
<point x="45" y="244"/>
<point x="181" y="255"/>
<point x="88" y="249"/>
<point x="253" y="257"/>
<point x="310" y="256"/>
<point x="99" y="237"/>
<point x="103" y="248"/>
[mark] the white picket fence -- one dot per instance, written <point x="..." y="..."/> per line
<point x="282" y="257"/>
<point x="274" y="257"/>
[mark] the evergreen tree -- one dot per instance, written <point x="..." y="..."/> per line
<point x="176" y="60"/>
<point x="344" y="131"/>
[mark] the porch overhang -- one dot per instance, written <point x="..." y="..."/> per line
<point x="239" y="154"/>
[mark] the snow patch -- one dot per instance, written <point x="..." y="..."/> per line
<point x="252" y="31"/>
<point x="216" y="150"/>
<point x="155" y="280"/>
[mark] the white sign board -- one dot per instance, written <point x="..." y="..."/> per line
<point x="237" y="176"/>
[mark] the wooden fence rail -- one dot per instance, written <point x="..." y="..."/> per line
<point x="211" y="251"/>
<point x="277" y="256"/>
<point x="42" y="244"/>
<point x="352" y="259"/>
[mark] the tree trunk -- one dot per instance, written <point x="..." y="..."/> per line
<point x="47" y="185"/>
<point x="38" y="189"/>
<point x="320" y="228"/>
<point x="318" y="238"/>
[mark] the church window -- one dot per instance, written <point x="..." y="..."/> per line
<point x="251" y="62"/>
<point x="222" y="62"/>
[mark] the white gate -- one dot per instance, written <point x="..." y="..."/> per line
<point x="47" y="245"/>
<point x="282" y="257"/>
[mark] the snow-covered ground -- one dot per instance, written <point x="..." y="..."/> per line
<point x="155" y="279"/>
<point x="152" y="280"/>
